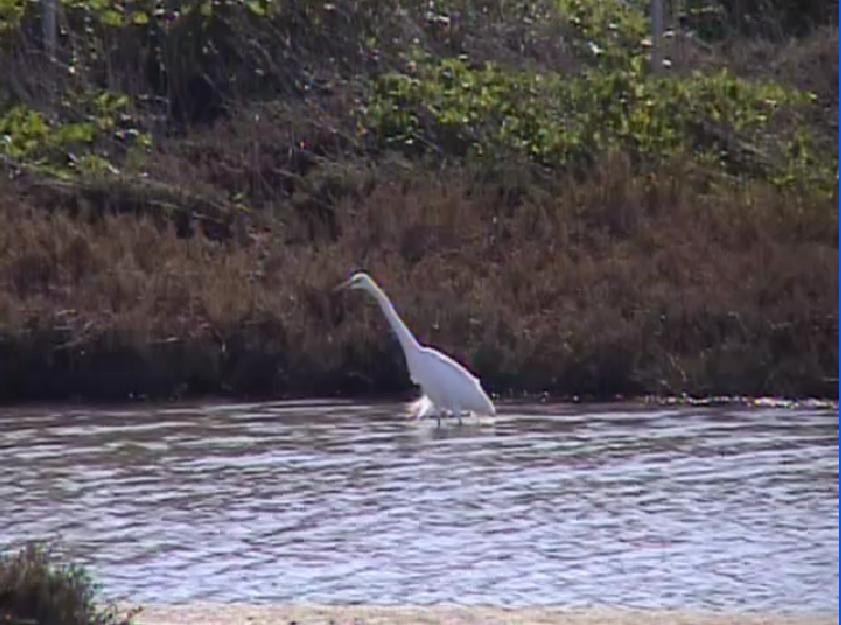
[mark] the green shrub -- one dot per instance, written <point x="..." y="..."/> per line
<point x="419" y="93"/>
<point x="569" y="121"/>
<point x="33" y="589"/>
<point x="611" y="35"/>
<point x="195" y="59"/>
<point x="91" y="134"/>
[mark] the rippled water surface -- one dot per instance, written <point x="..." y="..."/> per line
<point x="342" y="502"/>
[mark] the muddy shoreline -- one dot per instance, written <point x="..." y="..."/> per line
<point x="303" y="614"/>
<point x="716" y="401"/>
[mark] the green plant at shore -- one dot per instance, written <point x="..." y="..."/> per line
<point x="34" y="588"/>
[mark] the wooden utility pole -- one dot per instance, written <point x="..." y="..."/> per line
<point x="656" y="7"/>
<point x="48" y="27"/>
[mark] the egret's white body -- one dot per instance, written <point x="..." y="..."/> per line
<point x="447" y="386"/>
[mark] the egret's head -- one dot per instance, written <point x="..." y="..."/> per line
<point x="358" y="280"/>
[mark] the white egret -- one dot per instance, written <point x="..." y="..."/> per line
<point x="447" y="386"/>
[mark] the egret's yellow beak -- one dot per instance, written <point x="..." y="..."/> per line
<point x="341" y="286"/>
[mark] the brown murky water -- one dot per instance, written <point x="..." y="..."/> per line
<point x="570" y="505"/>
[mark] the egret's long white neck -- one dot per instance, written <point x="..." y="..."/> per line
<point x="407" y="341"/>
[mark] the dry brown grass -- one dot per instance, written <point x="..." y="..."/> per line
<point x="621" y="283"/>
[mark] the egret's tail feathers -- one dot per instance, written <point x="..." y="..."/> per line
<point x="421" y="407"/>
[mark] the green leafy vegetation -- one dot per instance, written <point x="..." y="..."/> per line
<point x="749" y="128"/>
<point x="35" y="587"/>
<point x="94" y="135"/>
<point x="11" y="12"/>
<point x="574" y="121"/>
<point x="457" y="105"/>
<point x="609" y="35"/>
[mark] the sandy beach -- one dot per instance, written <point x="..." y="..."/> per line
<point x="246" y="614"/>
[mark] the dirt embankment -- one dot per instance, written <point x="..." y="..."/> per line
<point x="533" y="199"/>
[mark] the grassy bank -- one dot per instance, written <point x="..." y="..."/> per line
<point x="185" y="185"/>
